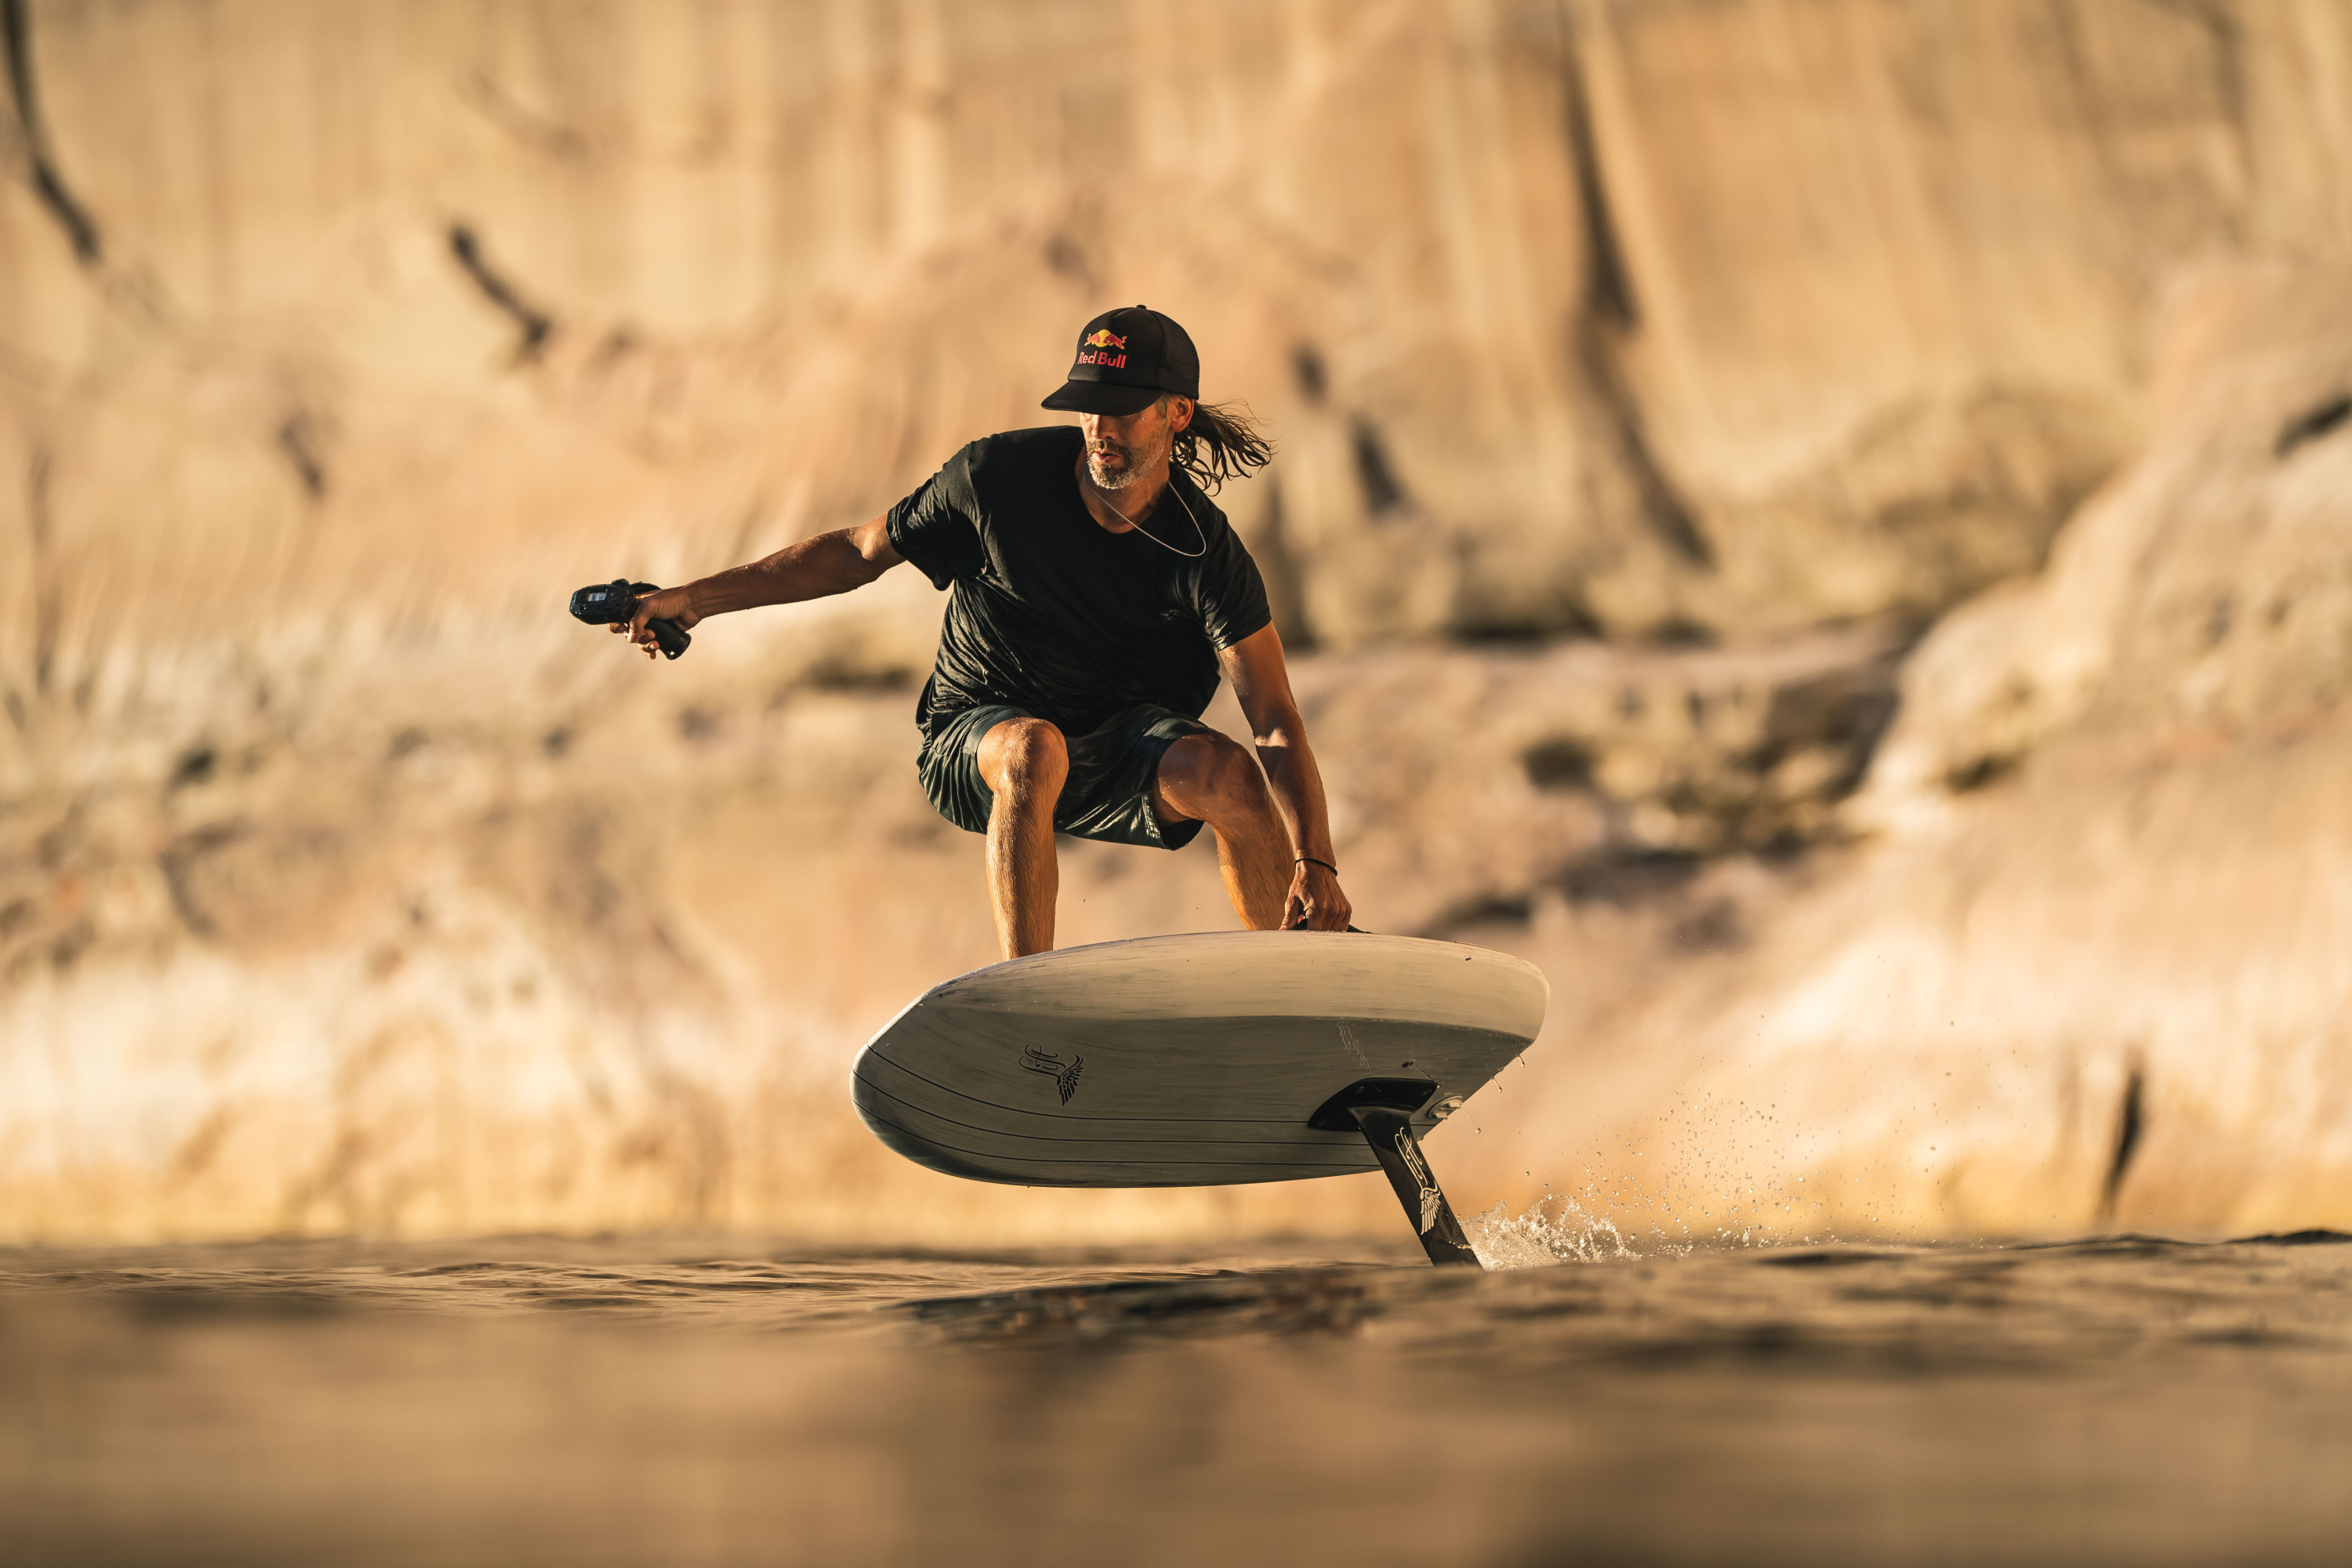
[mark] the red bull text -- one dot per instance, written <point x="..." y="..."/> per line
<point x="1102" y="341"/>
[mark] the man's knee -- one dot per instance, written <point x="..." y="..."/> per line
<point x="1216" y="769"/>
<point x="1024" y="758"/>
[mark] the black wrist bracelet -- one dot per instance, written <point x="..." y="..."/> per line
<point x="1310" y="860"/>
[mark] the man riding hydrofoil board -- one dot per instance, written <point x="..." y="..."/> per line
<point x="1097" y="595"/>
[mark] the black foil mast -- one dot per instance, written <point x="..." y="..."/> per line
<point x="1381" y="1110"/>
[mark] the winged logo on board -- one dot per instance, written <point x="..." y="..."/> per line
<point x="1065" y="1078"/>
<point x="1430" y="1199"/>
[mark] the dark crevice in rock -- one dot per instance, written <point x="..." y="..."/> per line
<point x="178" y="864"/>
<point x="1677" y="631"/>
<point x="1666" y="883"/>
<point x="46" y="606"/>
<point x="1383" y="492"/>
<point x="844" y="671"/>
<point x="1560" y="764"/>
<point x="1566" y="620"/>
<point x="81" y="230"/>
<point x="72" y="942"/>
<point x="1985" y="771"/>
<point x="2131" y="1123"/>
<point x="1608" y="296"/>
<point x="1610" y="310"/>
<point x="615" y="346"/>
<point x="1065" y="258"/>
<point x="535" y="325"/>
<point x="1851" y="708"/>
<point x="1629" y="876"/>
<point x="1485" y="909"/>
<point x="2323" y="419"/>
<point x="1314" y="379"/>
<point x="297" y="443"/>
<point x="195" y="766"/>
<point x="833" y="673"/>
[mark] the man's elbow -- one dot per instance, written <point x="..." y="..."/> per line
<point x="1281" y="732"/>
<point x="875" y="553"/>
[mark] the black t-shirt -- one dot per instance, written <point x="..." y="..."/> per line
<point x="1053" y="613"/>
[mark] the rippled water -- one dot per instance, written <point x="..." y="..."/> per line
<point x="710" y="1402"/>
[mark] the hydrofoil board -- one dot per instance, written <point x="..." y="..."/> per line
<point x="1205" y="1060"/>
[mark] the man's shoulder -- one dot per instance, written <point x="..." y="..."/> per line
<point x="1018" y="454"/>
<point x="1188" y="498"/>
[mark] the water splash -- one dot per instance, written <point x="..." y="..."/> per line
<point x="1554" y="1229"/>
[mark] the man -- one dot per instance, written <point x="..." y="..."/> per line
<point x="1098" y="597"/>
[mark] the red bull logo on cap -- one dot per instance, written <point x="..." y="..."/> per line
<point x="1098" y="348"/>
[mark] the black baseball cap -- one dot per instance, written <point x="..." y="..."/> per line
<point x="1126" y="359"/>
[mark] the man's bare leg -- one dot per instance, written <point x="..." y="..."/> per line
<point x="1213" y="779"/>
<point x="1025" y="763"/>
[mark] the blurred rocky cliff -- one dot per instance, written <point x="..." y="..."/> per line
<point x="1648" y="376"/>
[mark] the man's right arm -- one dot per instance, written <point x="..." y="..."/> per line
<point x="814" y="568"/>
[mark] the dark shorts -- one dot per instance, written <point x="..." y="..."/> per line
<point x="1112" y="768"/>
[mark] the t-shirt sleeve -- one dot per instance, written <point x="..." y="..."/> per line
<point x="1231" y="594"/>
<point x="937" y="526"/>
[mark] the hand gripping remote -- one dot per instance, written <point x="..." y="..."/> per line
<point x="603" y="603"/>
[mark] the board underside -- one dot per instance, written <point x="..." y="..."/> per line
<point x="1186" y="1061"/>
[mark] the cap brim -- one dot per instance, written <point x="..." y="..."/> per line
<point x="1101" y="397"/>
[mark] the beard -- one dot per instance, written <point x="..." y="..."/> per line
<point x="1133" y="460"/>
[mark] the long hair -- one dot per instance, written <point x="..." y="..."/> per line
<point x="1223" y="442"/>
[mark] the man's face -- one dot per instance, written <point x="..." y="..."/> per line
<point x="1124" y="447"/>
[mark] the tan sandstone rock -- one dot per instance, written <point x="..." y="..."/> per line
<point x="2095" y="968"/>
<point x="344" y="884"/>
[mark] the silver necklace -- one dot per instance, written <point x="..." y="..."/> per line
<point x="1102" y="496"/>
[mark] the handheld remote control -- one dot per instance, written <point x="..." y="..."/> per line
<point x="603" y="603"/>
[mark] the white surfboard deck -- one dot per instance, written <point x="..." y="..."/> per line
<point x="1187" y="1060"/>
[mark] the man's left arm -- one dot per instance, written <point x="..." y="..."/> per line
<point x="1262" y="681"/>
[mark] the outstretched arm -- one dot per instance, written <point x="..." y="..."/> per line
<point x="829" y="563"/>
<point x="1262" y="681"/>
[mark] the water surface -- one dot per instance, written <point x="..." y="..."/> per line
<point x="698" y="1401"/>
